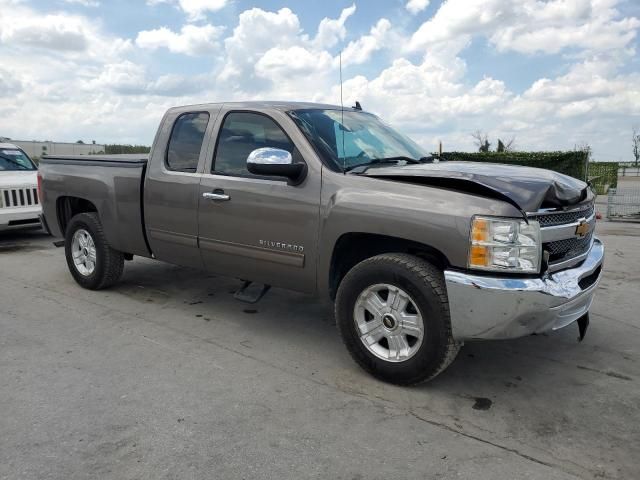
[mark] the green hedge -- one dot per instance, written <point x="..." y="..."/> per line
<point x="603" y="175"/>
<point x="573" y="163"/>
<point x="115" y="149"/>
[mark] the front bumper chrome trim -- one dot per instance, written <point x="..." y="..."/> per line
<point x="487" y="307"/>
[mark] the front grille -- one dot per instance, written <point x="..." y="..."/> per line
<point x="568" y="248"/>
<point x="562" y="218"/>
<point x="19" y="197"/>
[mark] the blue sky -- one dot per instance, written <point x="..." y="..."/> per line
<point x="552" y="74"/>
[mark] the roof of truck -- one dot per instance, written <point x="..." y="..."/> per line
<point x="276" y="105"/>
<point x="8" y="145"/>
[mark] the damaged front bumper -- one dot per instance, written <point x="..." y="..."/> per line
<point x="484" y="307"/>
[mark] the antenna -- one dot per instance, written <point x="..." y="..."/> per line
<point x="344" y="157"/>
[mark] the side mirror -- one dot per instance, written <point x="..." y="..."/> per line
<point x="275" y="162"/>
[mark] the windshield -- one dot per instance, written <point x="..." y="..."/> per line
<point x="352" y="138"/>
<point x="14" y="159"/>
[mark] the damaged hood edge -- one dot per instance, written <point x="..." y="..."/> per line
<point x="528" y="189"/>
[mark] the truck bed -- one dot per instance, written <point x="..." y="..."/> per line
<point x="113" y="184"/>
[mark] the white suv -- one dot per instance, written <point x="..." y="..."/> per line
<point x="19" y="202"/>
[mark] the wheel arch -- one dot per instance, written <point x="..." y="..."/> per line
<point x="68" y="207"/>
<point x="354" y="247"/>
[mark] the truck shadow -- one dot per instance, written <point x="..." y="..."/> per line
<point x="529" y="394"/>
<point x="287" y="317"/>
<point x="23" y="240"/>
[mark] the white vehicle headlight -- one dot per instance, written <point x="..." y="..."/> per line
<point x="505" y="244"/>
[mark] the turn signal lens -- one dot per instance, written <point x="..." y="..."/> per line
<point x="479" y="255"/>
<point x="504" y="244"/>
<point x="480" y="230"/>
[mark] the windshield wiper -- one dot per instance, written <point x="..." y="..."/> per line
<point x="382" y="161"/>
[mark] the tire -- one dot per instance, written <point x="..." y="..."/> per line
<point x="108" y="264"/>
<point x="409" y="279"/>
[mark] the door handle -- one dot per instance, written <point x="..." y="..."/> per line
<point x="216" y="195"/>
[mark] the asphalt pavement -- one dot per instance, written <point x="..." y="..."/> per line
<point x="166" y="376"/>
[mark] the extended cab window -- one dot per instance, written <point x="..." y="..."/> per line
<point x="242" y="133"/>
<point x="185" y="143"/>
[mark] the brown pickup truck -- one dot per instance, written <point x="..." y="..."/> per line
<point x="418" y="256"/>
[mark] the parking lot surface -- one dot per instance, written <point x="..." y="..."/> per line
<point x="166" y="376"/>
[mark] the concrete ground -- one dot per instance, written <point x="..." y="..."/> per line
<point x="166" y="376"/>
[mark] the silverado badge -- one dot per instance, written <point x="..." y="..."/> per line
<point x="281" y="246"/>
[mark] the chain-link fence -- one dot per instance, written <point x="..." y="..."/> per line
<point x="623" y="203"/>
<point x="629" y="170"/>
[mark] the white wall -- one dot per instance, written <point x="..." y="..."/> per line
<point x="37" y="149"/>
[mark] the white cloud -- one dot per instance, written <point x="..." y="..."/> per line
<point x="52" y="60"/>
<point x="130" y="79"/>
<point x="252" y="38"/>
<point x="174" y="85"/>
<point x="54" y="32"/>
<point x="123" y="77"/>
<point x="331" y="31"/>
<point x="460" y="17"/>
<point x="429" y="93"/>
<point x="590" y="87"/>
<point x="529" y="26"/>
<point x="192" y="40"/>
<point x="359" y="51"/>
<point x="84" y="3"/>
<point x="279" y="63"/>
<point x="24" y="29"/>
<point x="416" y="6"/>
<point x="9" y="84"/>
<point x="195" y="9"/>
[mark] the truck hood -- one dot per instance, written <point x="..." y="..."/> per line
<point x="529" y="189"/>
<point x="18" y="178"/>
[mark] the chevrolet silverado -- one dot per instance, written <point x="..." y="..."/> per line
<point x="418" y="256"/>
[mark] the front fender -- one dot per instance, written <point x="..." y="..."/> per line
<point x="434" y="217"/>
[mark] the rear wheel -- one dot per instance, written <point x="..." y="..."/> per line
<point x="91" y="261"/>
<point x="393" y="315"/>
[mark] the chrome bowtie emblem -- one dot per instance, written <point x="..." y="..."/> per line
<point x="582" y="229"/>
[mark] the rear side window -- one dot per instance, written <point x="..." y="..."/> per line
<point x="242" y="133"/>
<point x="186" y="140"/>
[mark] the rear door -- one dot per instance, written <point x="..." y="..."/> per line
<point x="252" y="227"/>
<point x="172" y="185"/>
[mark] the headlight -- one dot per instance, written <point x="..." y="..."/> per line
<point x="504" y="244"/>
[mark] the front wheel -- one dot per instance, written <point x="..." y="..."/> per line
<point x="393" y="315"/>
<point x="91" y="261"/>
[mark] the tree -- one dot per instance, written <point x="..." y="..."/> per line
<point x="80" y="141"/>
<point x="508" y="146"/>
<point x="481" y="140"/>
<point x="636" y="144"/>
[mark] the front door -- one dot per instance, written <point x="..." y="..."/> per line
<point x="256" y="228"/>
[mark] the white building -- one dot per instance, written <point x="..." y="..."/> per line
<point x="37" y="149"/>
